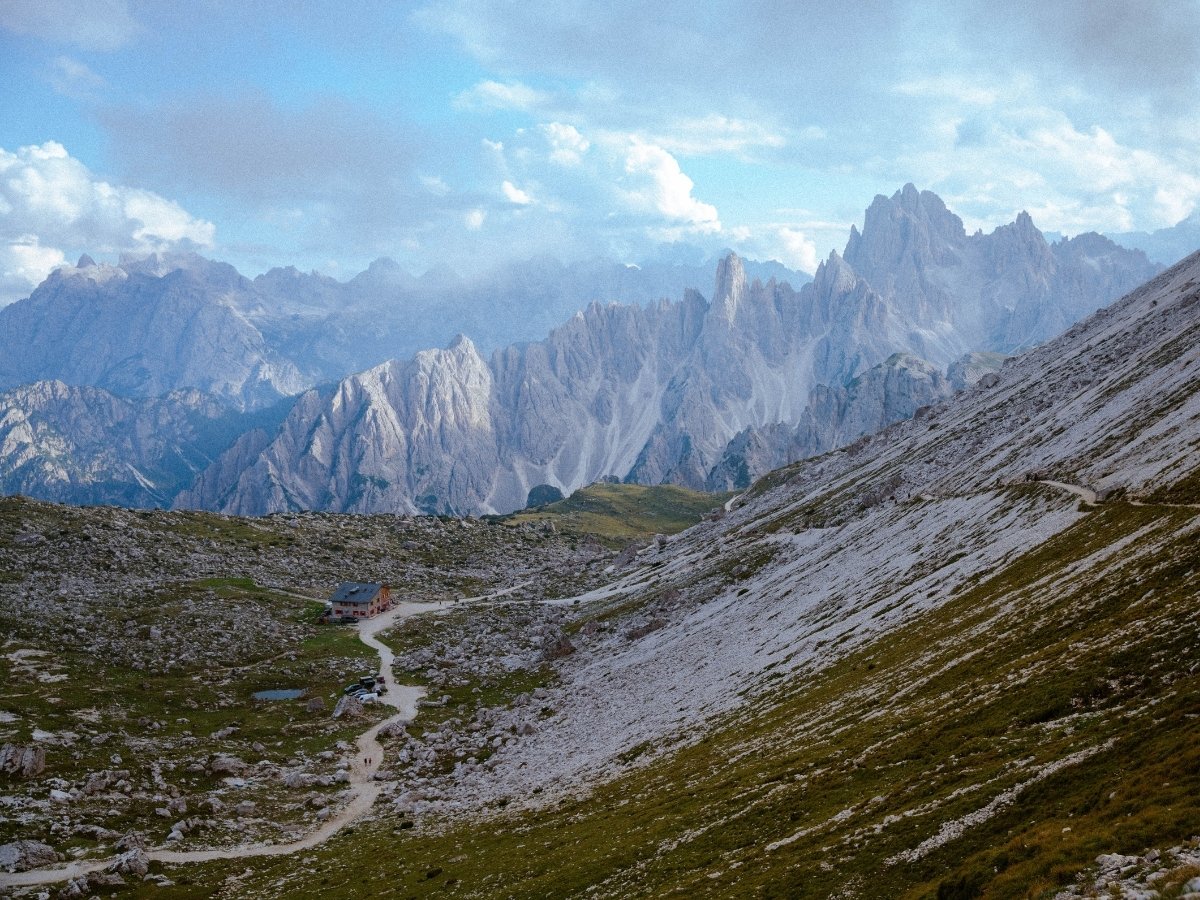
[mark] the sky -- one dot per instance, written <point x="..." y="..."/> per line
<point x="469" y="132"/>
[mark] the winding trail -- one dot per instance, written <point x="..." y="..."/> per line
<point x="1091" y="498"/>
<point x="363" y="786"/>
<point x="1087" y="495"/>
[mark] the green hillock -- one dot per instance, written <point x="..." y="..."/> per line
<point x="616" y="514"/>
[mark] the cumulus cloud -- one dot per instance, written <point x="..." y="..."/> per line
<point x="88" y="24"/>
<point x="24" y="263"/>
<point x="51" y="205"/>
<point x="798" y="252"/>
<point x="655" y="181"/>
<point x="1070" y="179"/>
<point x="566" y="143"/>
<point x="514" y="194"/>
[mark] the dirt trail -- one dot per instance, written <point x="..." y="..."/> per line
<point x="363" y="786"/>
<point x="1087" y="495"/>
<point x="1090" y="498"/>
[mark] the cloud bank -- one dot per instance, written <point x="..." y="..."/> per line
<point x="52" y="208"/>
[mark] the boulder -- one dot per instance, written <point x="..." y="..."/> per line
<point x="22" y="762"/>
<point x="20" y="856"/>
<point x="348" y="706"/>
<point x="133" y="840"/>
<point x="227" y="765"/>
<point x="132" y="862"/>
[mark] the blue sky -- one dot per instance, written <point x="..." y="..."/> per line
<point x="467" y="132"/>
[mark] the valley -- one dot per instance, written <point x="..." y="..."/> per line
<point x="957" y="656"/>
<point x="574" y="451"/>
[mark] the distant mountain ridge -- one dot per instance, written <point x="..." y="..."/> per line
<point x="698" y="392"/>
<point x="656" y="394"/>
<point x="149" y="326"/>
<point x="1164" y="245"/>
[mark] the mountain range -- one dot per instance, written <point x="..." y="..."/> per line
<point x="657" y="394"/>
<point x="702" y="392"/>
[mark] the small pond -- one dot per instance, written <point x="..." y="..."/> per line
<point x="279" y="694"/>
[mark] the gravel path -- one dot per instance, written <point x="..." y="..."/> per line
<point x="365" y="789"/>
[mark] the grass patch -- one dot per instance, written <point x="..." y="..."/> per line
<point x="616" y="514"/>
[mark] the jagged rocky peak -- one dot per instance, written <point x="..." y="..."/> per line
<point x="834" y="277"/>
<point x="729" y="290"/>
<point x="384" y="272"/>
<point x="85" y="262"/>
<point x="911" y="228"/>
<point x="462" y="344"/>
<point x="1020" y="239"/>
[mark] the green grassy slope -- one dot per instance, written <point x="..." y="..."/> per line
<point x="1051" y="709"/>
<point x="619" y="513"/>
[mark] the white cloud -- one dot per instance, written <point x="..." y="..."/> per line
<point x="502" y="95"/>
<point x="52" y="206"/>
<point x="716" y="134"/>
<point x="475" y="218"/>
<point x="657" y="183"/>
<point x="24" y="263"/>
<point x="1070" y="179"/>
<point x="73" y="79"/>
<point x="514" y="194"/>
<point x="567" y="144"/>
<point x="435" y="185"/>
<point x="89" y="24"/>
<point x="798" y="252"/>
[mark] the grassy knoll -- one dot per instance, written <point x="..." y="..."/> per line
<point x="619" y="513"/>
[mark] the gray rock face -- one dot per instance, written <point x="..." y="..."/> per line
<point x="22" y="762"/>
<point x="87" y="445"/>
<point x="895" y="390"/>
<point x="20" y="856"/>
<point x="1005" y="291"/>
<point x="146" y="327"/>
<point x="143" y="330"/>
<point x="656" y="394"/>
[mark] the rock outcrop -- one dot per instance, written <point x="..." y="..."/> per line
<point x="22" y="762"/>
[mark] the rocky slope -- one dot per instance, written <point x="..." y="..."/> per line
<point x="655" y="395"/>
<point x="901" y="658"/>
<point x="143" y="329"/>
<point x="86" y="445"/>
<point x="896" y="389"/>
